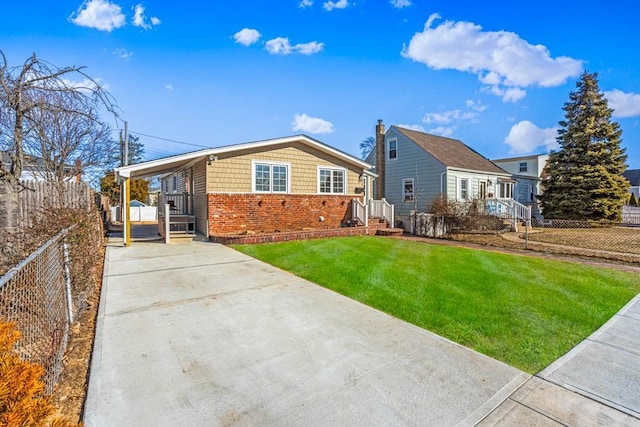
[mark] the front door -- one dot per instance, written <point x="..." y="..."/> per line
<point x="483" y="190"/>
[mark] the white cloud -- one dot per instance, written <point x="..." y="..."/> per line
<point x="122" y="53"/>
<point x="169" y="87"/>
<point x="247" y="36"/>
<point x="99" y="14"/>
<point x="449" y="120"/>
<point x="330" y="5"/>
<point x="309" y="48"/>
<point x="86" y="85"/>
<point x="282" y="46"/>
<point x="419" y="128"/>
<point x="503" y="61"/>
<point x="305" y="3"/>
<point x="442" y="131"/>
<point x="305" y="123"/>
<point x="400" y="3"/>
<point x="624" y="104"/>
<point x="140" y="20"/>
<point x="525" y="138"/>
<point x="278" y="46"/>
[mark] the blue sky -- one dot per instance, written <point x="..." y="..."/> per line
<point x="494" y="75"/>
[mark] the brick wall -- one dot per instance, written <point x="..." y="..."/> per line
<point x="264" y="213"/>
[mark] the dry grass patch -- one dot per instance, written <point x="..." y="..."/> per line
<point x="614" y="239"/>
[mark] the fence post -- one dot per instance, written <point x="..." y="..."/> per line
<point x="67" y="280"/>
<point x="526" y="234"/>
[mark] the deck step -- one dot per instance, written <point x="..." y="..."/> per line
<point x="389" y="232"/>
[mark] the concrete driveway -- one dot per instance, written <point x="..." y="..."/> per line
<point x="198" y="334"/>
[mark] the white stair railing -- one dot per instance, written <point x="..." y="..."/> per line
<point x="509" y="209"/>
<point x="359" y="212"/>
<point x="382" y="209"/>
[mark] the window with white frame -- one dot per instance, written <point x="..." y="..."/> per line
<point x="175" y="183"/>
<point x="407" y="190"/>
<point x="392" y="149"/>
<point x="505" y="190"/>
<point x="270" y="177"/>
<point x="463" y="188"/>
<point x="523" y="167"/>
<point x="331" y="181"/>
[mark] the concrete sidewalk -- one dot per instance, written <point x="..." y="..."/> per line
<point x="596" y="383"/>
<point x="199" y="334"/>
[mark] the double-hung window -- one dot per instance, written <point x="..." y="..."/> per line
<point x="331" y="180"/>
<point x="270" y="177"/>
<point x="392" y="149"/>
<point x="463" y="188"/>
<point x="523" y="167"/>
<point x="407" y="190"/>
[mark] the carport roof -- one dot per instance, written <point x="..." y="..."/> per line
<point x="172" y="163"/>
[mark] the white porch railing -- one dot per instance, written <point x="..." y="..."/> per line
<point x="359" y="212"/>
<point x="509" y="209"/>
<point x="382" y="209"/>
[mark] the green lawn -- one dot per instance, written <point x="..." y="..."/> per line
<point x="522" y="310"/>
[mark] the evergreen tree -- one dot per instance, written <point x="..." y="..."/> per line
<point x="585" y="174"/>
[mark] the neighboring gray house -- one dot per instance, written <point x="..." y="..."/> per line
<point x="527" y="172"/>
<point x="633" y="176"/>
<point x="415" y="167"/>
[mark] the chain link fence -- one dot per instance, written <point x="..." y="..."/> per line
<point x="46" y="292"/>
<point x="615" y="241"/>
<point x="36" y="296"/>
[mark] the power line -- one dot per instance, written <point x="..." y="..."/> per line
<point x="168" y="140"/>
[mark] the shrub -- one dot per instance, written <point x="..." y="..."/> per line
<point x="22" y="398"/>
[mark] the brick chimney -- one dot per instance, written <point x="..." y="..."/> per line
<point x="380" y="160"/>
<point x="78" y="167"/>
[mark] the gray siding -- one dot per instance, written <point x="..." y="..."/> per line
<point x="412" y="162"/>
<point x="200" y="196"/>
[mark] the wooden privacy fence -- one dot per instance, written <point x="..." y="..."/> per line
<point x="35" y="197"/>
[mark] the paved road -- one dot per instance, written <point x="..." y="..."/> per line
<point x="198" y="334"/>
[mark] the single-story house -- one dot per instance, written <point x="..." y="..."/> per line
<point x="415" y="167"/>
<point x="284" y="184"/>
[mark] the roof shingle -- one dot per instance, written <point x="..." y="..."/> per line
<point x="451" y="152"/>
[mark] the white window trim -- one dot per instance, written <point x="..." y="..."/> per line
<point x="413" y="193"/>
<point x="389" y="148"/>
<point x="269" y="163"/>
<point x="332" y="168"/>
<point x="459" y="187"/>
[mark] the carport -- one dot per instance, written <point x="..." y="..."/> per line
<point x="126" y="174"/>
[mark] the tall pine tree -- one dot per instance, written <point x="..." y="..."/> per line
<point x="585" y="174"/>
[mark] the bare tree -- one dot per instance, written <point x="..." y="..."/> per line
<point x="28" y="93"/>
<point x="69" y="140"/>
<point x="35" y="89"/>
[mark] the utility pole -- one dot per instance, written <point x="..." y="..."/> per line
<point x="121" y="149"/>
<point x="126" y="143"/>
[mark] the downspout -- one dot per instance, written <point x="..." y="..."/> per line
<point x="380" y="161"/>
<point x="442" y="189"/>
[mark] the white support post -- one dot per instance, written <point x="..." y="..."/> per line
<point x="167" y="221"/>
<point x="366" y="214"/>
